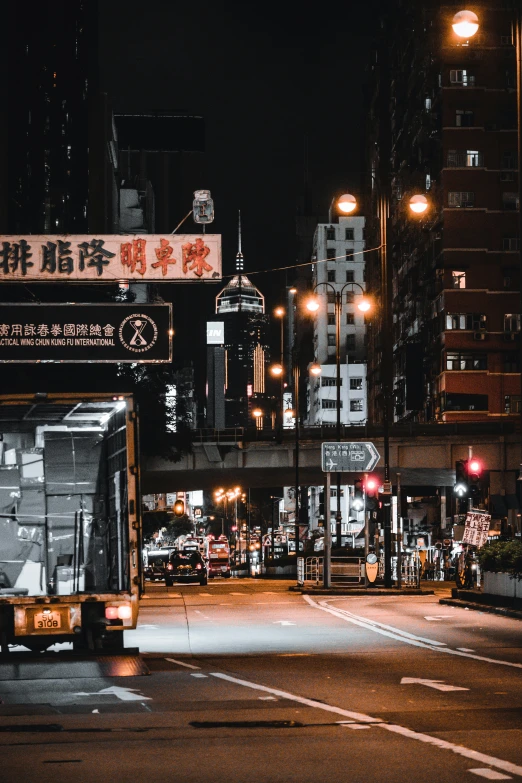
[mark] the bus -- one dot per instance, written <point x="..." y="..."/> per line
<point x="70" y="533"/>
<point x="219" y="558"/>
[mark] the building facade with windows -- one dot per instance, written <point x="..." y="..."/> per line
<point x="338" y="272"/>
<point x="451" y="134"/>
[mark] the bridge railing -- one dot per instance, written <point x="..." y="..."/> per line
<point x="355" y="432"/>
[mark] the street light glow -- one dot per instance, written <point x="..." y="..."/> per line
<point x="279" y="312"/>
<point x="364" y="305"/>
<point x="347" y="203"/>
<point x="465" y="24"/>
<point x="315" y="369"/>
<point x="313" y="304"/>
<point x="418" y="204"/>
<point x="257" y="412"/>
<point x="276" y="370"/>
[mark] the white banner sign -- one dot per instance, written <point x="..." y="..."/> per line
<point x="110" y="257"/>
<point x="476" y="529"/>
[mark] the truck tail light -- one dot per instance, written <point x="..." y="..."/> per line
<point x="111" y="612"/>
<point x="121" y="612"/>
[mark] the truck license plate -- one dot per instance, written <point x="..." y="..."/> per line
<point x="47" y="620"/>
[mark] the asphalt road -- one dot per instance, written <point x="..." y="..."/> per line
<point x="250" y="682"/>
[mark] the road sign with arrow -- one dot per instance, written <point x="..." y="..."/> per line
<point x="350" y="457"/>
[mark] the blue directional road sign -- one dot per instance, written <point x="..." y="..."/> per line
<point x="348" y="457"/>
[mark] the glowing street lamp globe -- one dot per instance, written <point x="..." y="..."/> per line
<point x="276" y="370"/>
<point x="418" y="204"/>
<point x="279" y="312"/>
<point x="257" y="413"/>
<point x="364" y="305"/>
<point x="347" y="203"/>
<point x="315" y="369"/>
<point x="313" y="304"/>
<point x="465" y="24"/>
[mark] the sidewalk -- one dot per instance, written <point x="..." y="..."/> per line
<point x="481" y="602"/>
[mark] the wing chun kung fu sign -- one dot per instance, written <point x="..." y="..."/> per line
<point x="110" y="258"/>
<point x="136" y="333"/>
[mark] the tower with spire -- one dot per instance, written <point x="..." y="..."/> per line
<point x="241" y="307"/>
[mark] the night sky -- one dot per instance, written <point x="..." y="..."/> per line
<point x="271" y="80"/>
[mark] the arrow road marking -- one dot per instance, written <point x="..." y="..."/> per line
<point x="439" y="685"/>
<point x="125" y="694"/>
<point x="282" y="622"/>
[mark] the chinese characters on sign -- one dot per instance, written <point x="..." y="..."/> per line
<point x="110" y="258"/>
<point x="476" y="529"/>
<point x="348" y="457"/>
<point x="85" y="333"/>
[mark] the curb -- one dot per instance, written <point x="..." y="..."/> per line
<point x="500" y="610"/>
<point x="404" y="592"/>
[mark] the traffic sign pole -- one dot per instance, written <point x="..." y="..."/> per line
<point x="327" y="553"/>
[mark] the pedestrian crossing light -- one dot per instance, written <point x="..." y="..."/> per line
<point x="358" y="497"/>
<point x="460" y="487"/>
<point x="203" y="207"/>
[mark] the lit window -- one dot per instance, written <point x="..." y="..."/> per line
<point x="356" y="405"/>
<point x="356" y="384"/>
<point x="512" y="322"/>
<point x="458" y="279"/>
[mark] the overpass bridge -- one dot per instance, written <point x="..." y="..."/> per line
<point x="424" y="455"/>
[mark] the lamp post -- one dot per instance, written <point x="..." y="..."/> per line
<point x="418" y="204"/>
<point x="279" y="312"/>
<point x="313" y="305"/>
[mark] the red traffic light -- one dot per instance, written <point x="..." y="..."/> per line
<point x="371" y="485"/>
<point x="475" y="467"/>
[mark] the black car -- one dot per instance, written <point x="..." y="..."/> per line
<point x="186" y="567"/>
<point x="157" y="560"/>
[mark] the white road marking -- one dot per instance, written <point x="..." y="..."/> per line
<point x="147" y="626"/>
<point x="282" y="622"/>
<point x="125" y="694"/>
<point x="401" y="636"/>
<point x="204" y="593"/>
<point x="182" y="663"/>
<point x="238" y="593"/>
<point x="356" y="726"/>
<point x="268" y="592"/>
<point x="439" y="685"/>
<point x="460" y="750"/>
<point x="465" y="649"/>
<point x="490" y="774"/>
<point x="267" y="698"/>
<point x="308" y="702"/>
<point x="437" y="616"/>
<point x="198" y="675"/>
<point x="96" y="712"/>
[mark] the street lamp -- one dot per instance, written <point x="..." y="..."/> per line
<point x="465" y="24"/>
<point x="313" y="305"/>
<point x="257" y="413"/>
<point x="347" y="203"/>
<point x="277" y="371"/>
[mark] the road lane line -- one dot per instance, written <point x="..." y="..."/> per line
<point x="301" y="699"/>
<point x="370" y="625"/>
<point x="198" y="675"/>
<point x="465" y="649"/>
<point x="182" y="663"/>
<point x="459" y="750"/>
<point x="490" y="774"/>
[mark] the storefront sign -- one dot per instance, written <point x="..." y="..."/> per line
<point x="134" y="333"/>
<point x="110" y="258"/>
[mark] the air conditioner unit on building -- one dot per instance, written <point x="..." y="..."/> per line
<point x="479" y="335"/>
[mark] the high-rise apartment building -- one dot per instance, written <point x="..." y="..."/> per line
<point x="443" y="123"/>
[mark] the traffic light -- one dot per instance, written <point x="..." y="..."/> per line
<point x="203" y="207"/>
<point x="461" y="479"/>
<point x="358" y="495"/>
<point x="468" y="478"/>
<point x="371" y="489"/>
<point x="179" y="508"/>
<point x="475" y="469"/>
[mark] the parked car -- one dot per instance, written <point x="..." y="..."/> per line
<point x="186" y="567"/>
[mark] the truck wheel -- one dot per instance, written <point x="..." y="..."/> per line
<point x="227" y="575"/>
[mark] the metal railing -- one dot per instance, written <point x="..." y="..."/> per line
<point x="350" y="571"/>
